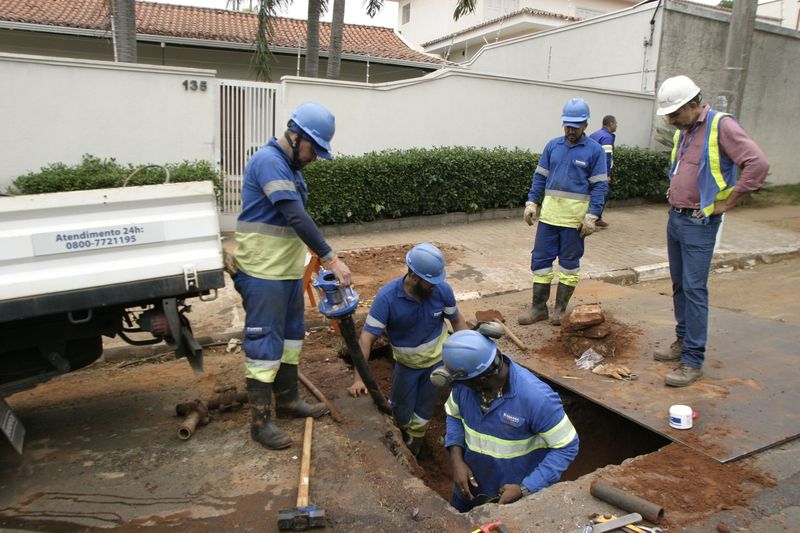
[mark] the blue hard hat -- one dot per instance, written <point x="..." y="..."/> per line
<point x="575" y="112"/>
<point x="317" y="123"/>
<point x="426" y="261"/>
<point x="467" y="354"/>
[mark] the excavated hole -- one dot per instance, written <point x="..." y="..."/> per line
<point x="606" y="437"/>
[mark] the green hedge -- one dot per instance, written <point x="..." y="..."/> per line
<point x="400" y="183"/>
<point x="96" y="173"/>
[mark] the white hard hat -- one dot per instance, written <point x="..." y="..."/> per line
<point x="675" y="92"/>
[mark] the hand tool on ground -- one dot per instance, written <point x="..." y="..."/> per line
<point x="611" y="525"/>
<point x="630" y="527"/>
<point x="493" y="315"/>
<point x="628" y="502"/>
<point x="303" y="516"/>
<point x="335" y="414"/>
<point x="339" y="304"/>
<point x="492" y="527"/>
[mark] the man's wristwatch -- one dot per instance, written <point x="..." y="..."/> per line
<point x="525" y="490"/>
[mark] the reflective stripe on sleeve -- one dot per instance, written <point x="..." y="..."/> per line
<point x="450" y="310"/>
<point x="609" y="148"/>
<point x="373" y="322"/>
<point x="451" y="407"/>
<point x="598" y="178"/>
<point x="543" y="171"/>
<point x="562" y="434"/>
<point x="278" y="185"/>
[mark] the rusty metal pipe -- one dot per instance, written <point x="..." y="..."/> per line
<point x="626" y="501"/>
<point x="196" y="415"/>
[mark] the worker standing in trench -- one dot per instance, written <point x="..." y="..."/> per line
<point x="507" y="432"/>
<point x="567" y="196"/>
<point x="703" y="186"/>
<point x="272" y="233"/>
<point x="412" y="310"/>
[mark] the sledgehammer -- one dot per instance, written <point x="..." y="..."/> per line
<point x="303" y="516"/>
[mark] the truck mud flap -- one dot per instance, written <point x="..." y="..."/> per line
<point x="185" y="344"/>
<point x="11" y="426"/>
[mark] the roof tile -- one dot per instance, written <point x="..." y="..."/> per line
<point x="210" y="24"/>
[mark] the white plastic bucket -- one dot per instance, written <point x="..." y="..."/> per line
<point x="680" y="416"/>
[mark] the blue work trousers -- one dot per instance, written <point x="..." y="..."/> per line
<point x="273" y="314"/>
<point x="556" y="241"/>
<point x="690" y="245"/>
<point x="413" y="397"/>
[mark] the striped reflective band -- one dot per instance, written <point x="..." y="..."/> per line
<point x="568" y="195"/>
<point x="291" y="351"/>
<point x="261" y="369"/>
<point x="278" y="185"/>
<point x="598" y="178"/>
<point x="451" y="407"/>
<point x="562" y="434"/>
<point x="373" y="322"/>
<point x="501" y="448"/>
<point x="609" y="148"/>
<point x="265" y="229"/>
<point x="568" y="270"/>
<point x="450" y="310"/>
<point x="543" y="171"/>
<point x="424" y="355"/>
<point x="416" y="427"/>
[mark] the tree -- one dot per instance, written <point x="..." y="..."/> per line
<point x="464" y="7"/>
<point x="315" y="8"/>
<point x="262" y="59"/>
<point x="123" y="29"/>
<point x="335" y="46"/>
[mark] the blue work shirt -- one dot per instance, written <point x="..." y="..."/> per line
<point x="569" y="181"/>
<point x="524" y="438"/>
<point x="416" y="329"/>
<point x="606" y="139"/>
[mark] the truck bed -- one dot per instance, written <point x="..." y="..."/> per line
<point x="73" y="250"/>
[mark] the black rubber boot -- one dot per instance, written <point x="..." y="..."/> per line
<point x="538" y="310"/>
<point x="287" y="399"/>
<point x="262" y="429"/>
<point x="563" y="295"/>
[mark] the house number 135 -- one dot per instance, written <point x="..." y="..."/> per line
<point x="194" y="85"/>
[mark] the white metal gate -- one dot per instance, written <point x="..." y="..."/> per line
<point x="247" y="121"/>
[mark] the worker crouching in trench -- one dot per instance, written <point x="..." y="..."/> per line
<point x="507" y="432"/>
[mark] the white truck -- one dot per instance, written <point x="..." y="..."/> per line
<point x="77" y="266"/>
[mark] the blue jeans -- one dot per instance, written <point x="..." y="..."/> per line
<point x="690" y="245"/>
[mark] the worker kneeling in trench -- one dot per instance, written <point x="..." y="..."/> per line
<point x="507" y="432"/>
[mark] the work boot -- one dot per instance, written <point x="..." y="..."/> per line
<point x="600" y="223"/>
<point x="538" y="310"/>
<point x="287" y="399"/>
<point x="683" y="376"/>
<point x="414" y="444"/>
<point x="673" y="353"/>
<point x="563" y="295"/>
<point x="262" y="429"/>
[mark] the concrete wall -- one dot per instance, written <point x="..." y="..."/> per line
<point x="56" y="110"/>
<point x="771" y="96"/>
<point x="233" y="64"/>
<point x="459" y="107"/>
<point x="607" y="51"/>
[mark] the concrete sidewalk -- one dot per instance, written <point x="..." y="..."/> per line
<point x="496" y="253"/>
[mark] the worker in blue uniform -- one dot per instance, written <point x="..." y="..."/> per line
<point x="507" y="432"/>
<point x="566" y="197"/>
<point x="412" y="310"/>
<point x="272" y="234"/>
<point x="606" y="137"/>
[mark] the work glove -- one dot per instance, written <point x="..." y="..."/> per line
<point x="615" y="371"/>
<point x="531" y="214"/>
<point x="588" y="226"/>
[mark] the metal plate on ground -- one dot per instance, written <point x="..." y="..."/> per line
<point x="746" y="402"/>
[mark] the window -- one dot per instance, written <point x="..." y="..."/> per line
<point x="406" y="14"/>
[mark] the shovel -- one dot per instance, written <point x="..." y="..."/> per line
<point x="493" y="315"/>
